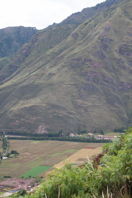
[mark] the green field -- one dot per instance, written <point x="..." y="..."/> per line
<point x="36" y="171"/>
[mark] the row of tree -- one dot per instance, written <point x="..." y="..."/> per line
<point x="5" y="145"/>
<point x="66" y="138"/>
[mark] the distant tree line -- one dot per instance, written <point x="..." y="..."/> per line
<point x="94" y="131"/>
<point x="58" y="136"/>
<point x="120" y="130"/>
<point x="59" y="133"/>
<point x="55" y="134"/>
<point x="67" y="138"/>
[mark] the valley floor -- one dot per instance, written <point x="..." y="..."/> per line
<point x="38" y="158"/>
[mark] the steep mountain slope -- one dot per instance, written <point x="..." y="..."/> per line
<point x="12" y="38"/>
<point x="80" y="80"/>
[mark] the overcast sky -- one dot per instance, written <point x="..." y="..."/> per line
<point x="39" y="13"/>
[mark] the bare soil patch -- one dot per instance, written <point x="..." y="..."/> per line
<point x="16" y="184"/>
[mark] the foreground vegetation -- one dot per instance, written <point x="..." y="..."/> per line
<point x="109" y="177"/>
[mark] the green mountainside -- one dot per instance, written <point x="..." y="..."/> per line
<point x="73" y="76"/>
<point x="12" y="38"/>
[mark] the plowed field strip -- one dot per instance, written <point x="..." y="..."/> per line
<point x="83" y="154"/>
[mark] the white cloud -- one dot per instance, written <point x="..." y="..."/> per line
<point x="39" y="13"/>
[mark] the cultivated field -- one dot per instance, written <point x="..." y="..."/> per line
<point x="42" y="154"/>
<point x="81" y="156"/>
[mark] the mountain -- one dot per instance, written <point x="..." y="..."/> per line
<point x="12" y="38"/>
<point x="73" y="76"/>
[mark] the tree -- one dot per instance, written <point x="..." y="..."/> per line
<point x="61" y="134"/>
<point x="5" y="144"/>
<point x="0" y="157"/>
<point x="13" y="153"/>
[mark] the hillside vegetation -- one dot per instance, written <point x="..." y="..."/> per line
<point x="109" y="177"/>
<point x="11" y="40"/>
<point x="75" y="75"/>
